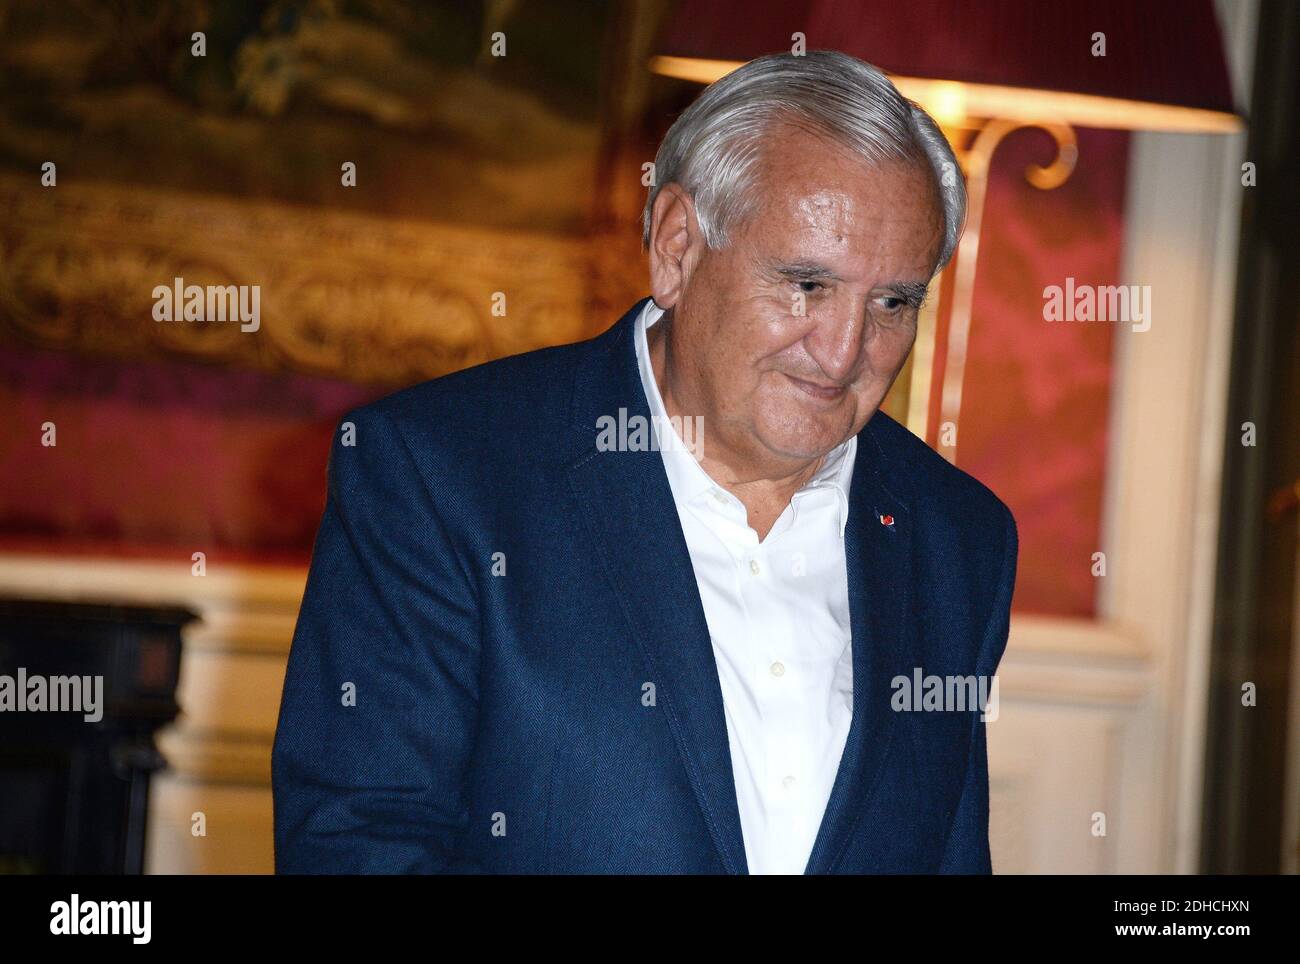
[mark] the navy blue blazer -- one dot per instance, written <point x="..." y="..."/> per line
<point x="440" y="716"/>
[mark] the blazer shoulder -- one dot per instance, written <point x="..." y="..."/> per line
<point x="497" y="405"/>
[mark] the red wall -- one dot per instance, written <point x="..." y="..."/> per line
<point x="1036" y="401"/>
<point x="163" y="459"/>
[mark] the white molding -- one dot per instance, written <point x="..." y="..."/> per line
<point x="107" y="579"/>
<point x="1084" y="640"/>
<point x="1087" y="687"/>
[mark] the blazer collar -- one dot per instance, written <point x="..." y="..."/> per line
<point x="631" y="518"/>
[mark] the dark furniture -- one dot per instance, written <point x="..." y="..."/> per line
<point x="74" y="788"/>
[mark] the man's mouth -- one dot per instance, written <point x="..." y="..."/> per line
<point x="825" y="393"/>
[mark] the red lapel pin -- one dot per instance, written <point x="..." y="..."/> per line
<point x="887" y="520"/>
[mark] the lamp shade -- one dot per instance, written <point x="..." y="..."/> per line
<point x="1163" y="66"/>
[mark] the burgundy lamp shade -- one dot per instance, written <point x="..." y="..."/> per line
<point x="1157" y="52"/>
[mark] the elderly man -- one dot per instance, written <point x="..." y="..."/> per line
<point x="531" y="644"/>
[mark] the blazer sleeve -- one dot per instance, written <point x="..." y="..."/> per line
<point x="380" y="697"/>
<point x="967" y="848"/>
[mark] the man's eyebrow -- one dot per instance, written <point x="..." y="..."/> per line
<point x="805" y="271"/>
<point x="912" y="292"/>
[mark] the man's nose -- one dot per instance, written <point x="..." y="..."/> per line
<point x="836" y="341"/>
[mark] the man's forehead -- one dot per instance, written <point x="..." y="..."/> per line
<point x="815" y="199"/>
<point x="814" y="189"/>
<point x="890" y="244"/>
<point x="830" y="193"/>
<point x="863" y="222"/>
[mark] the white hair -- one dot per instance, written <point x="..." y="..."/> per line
<point x="712" y="148"/>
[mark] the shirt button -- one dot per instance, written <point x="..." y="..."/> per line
<point x="754" y="567"/>
<point x="778" y="669"/>
<point x="788" y="783"/>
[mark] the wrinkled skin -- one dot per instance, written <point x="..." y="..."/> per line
<point x="778" y="389"/>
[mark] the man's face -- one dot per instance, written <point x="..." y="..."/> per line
<point x="787" y="339"/>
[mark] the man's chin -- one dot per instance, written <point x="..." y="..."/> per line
<point x="798" y="446"/>
<point x="792" y="431"/>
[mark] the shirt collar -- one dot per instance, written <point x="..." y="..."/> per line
<point x="686" y="477"/>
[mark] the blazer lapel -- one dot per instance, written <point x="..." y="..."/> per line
<point x="878" y="547"/>
<point x="632" y="519"/>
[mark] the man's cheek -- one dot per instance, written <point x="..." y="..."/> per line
<point x="892" y="341"/>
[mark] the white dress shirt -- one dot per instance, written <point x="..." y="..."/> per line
<point x="778" y="617"/>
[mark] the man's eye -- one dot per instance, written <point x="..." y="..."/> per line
<point x="892" y="304"/>
<point x="808" y="287"/>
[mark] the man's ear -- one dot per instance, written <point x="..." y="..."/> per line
<point x="675" y="243"/>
